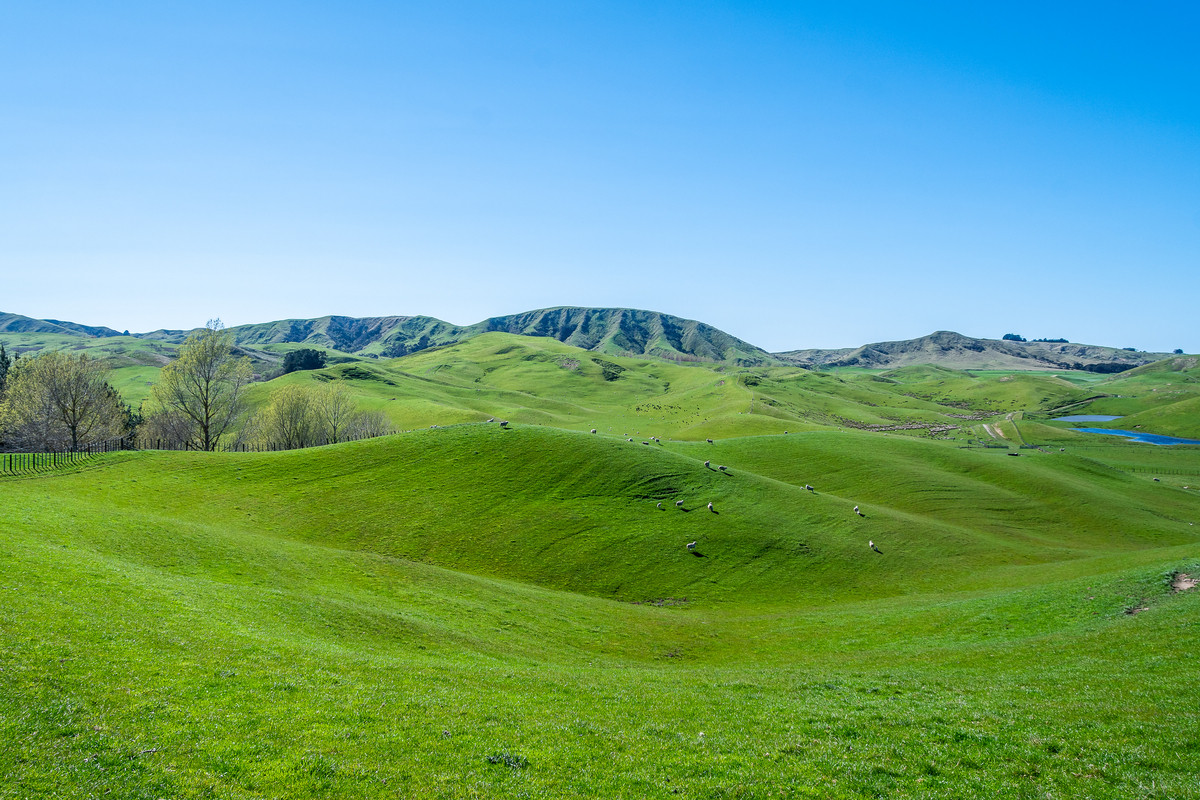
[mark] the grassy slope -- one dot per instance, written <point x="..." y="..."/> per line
<point x="539" y="380"/>
<point x="376" y="619"/>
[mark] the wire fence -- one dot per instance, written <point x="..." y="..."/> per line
<point x="50" y="460"/>
<point x="31" y="463"/>
<point x="252" y="447"/>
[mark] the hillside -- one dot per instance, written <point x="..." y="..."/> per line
<point x="949" y="349"/>
<point x="15" y="323"/>
<point x="613" y="331"/>
<point x="617" y="331"/>
<point x="503" y="613"/>
<point x="545" y="382"/>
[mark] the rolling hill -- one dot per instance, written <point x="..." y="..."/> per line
<point x="471" y="610"/>
<point x="949" y="349"/>
<point x="617" y="331"/>
<point x="613" y="331"/>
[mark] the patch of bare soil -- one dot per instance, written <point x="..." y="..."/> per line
<point x="1184" y="582"/>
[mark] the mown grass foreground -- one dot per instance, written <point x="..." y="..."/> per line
<point x="470" y="611"/>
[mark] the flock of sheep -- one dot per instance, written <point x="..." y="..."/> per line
<point x="691" y="546"/>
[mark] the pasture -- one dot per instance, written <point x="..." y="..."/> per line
<point x="470" y="611"/>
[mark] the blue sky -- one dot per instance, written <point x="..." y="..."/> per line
<point x="797" y="174"/>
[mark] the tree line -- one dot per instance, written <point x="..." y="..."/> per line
<point x="63" y="401"/>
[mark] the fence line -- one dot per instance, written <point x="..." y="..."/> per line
<point x="247" y="447"/>
<point x="33" y="463"/>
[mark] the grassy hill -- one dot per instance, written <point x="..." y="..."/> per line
<point x="612" y="331"/>
<point x="617" y="331"/>
<point x="541" y="381"/>
<point x="1162" y="397"/>
<point x="476" y="611"/>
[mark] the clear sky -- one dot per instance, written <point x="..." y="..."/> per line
<point x="797" y="174"/>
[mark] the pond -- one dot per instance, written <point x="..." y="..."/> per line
<point x="1087" y="418"/>
<point x="1148" y="438"/>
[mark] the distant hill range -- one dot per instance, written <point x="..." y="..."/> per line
<point x="631" y="332"/>
<point x="950" y="349"/>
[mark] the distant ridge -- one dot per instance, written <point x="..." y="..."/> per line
<point x="15" y="323"/>
<point x="628" y="332"/>
<point x="617" y="331"/>
<point x="950" y="349"/>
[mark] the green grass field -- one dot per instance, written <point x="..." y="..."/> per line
<point x="469" y="611"/>
<point x="466" y="611"/>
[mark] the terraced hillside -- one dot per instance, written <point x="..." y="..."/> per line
<point x="476" y="611"/>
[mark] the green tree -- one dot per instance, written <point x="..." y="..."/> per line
<point x="5" y="366"/>
<point x="201" y="392"/>
<point x="304" y="358"/>
<point x="60" y="400"/>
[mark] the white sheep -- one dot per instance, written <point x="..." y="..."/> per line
<point x="856" y="511"/>
<point x="679" y="504"/>
<point x="659" y="505"/>
<point x="691" y="546"/>
<point x="706" y="463"/>
<point x="503" y="423"/>
<point x="873" y="547"/>
<point x="710" y="508"/>
<point x="593" y="430"/>
<point x="810" y="488"/>
<point x="722" y="467"/>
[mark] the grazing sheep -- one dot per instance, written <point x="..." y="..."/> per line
<point x="706" y="463"/>
<point x="810" y="488"/>
<point x="691" y="546"/>
<point x="659" y="505"/>
<point x="710" y="508"/>
<point x="503" y="423"/>
<point x="491" y="419"/>
<point x="873" y="547"/>
<point x="722" y="467"/>
<point x="1156" y="480"/>
<point x="593" y="430"/>
<point x="679" y="504"/>
<point x="856" y="511"/>
<point x="710" y="441"/>
<point x="645" y="443"/>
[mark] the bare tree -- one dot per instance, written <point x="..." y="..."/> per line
<point x="202" y="389"/>
<point x="291" y="418"/>
<point x="336" y="411"/>
<point x="60" y="400"/>
<point x="367" y="424"/>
